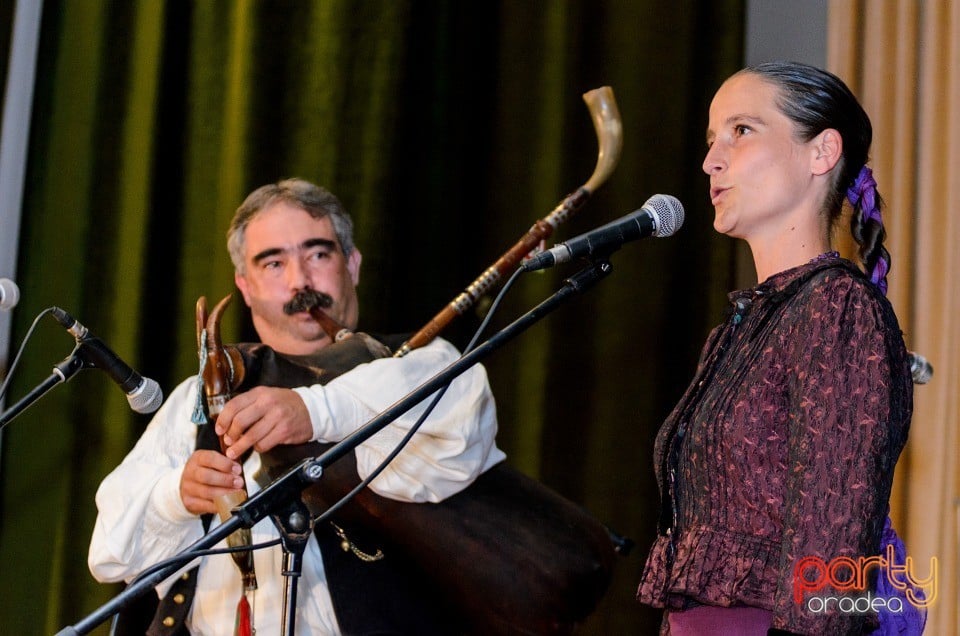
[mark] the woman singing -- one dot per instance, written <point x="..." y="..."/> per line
<point x="784" y="445"/>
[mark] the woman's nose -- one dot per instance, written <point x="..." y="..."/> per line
<point x="713" y="162"/>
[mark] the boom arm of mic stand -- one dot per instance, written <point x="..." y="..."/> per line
<point x="576" y="284"/>
<point x="275" y="497"/>
<point x="62" y="372"/>
<point x="271" y="499"/>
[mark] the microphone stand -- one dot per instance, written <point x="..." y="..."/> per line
<point x="295" y="526"/>
<point x="282" y="498"/>
<point x="62" y="372"/>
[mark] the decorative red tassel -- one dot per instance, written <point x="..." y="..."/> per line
<point x="243" y="626"/>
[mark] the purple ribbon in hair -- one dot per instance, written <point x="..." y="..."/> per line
<point x="879" y="275"/>
<point x="863" y="192"/>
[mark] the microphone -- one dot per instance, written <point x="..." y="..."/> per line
<point x="9" y="294"/>
<point x="143" y="394"/>
<point x="920" y="369"/>
<point x="660" y="216"/>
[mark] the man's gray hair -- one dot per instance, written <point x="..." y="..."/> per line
<point x="316" y="201"/>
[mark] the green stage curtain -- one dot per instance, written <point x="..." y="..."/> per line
<point x="447" y="128"/>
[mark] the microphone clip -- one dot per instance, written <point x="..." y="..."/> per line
<point x="71" y="365"/>
<point x="597" y="269"/>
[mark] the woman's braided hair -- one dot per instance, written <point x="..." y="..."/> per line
<point x="815" y="100"/>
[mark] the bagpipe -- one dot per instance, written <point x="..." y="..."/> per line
<point x="513" y="556"/>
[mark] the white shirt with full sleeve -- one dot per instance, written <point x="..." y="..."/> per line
<point x="142" y="519"/>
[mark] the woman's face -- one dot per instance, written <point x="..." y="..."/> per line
<point x="760" y="174"/>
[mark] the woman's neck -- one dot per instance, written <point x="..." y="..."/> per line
<point x="786" y="252"/>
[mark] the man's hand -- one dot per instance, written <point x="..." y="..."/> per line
<point x="262" y="418"/>
<point x="207" y="475"/>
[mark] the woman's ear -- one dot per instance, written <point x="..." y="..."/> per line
<point x="827" y="149"/>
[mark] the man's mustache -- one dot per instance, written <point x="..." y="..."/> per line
<point x="306" y="300"/>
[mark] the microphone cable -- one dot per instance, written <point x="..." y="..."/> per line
<point x="325" y="515"/>
<point x="16" y="359"/>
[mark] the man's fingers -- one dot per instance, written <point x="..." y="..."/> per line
<point x="253" y="435"/>
<point x="206" y="476"/>
<point x="275" y="436"/>
<point x="203" y="501"/>
<point x="214" y="461"/>
<point x="228" y="415"/>
<point x="241" y="412"/>
<point x="268" y="417"/>
<point x="217" y="479"/>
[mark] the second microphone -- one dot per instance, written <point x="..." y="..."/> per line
<point x="660" y="216"/>
<point x="143" y="394"/>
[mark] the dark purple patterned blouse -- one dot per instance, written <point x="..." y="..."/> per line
<point x="783" y="446"/>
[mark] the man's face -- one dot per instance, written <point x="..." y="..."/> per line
<point x="287" y="251"/>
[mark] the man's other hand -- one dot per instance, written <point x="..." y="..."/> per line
<point x="262" y="418"/>
<point x="207" y="475"/>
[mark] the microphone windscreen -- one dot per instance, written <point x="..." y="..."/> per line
<point x="920" y="369"/>
<point x="667" y="212"/>
<point x="147" y="397"/>
<point x="9" y="294"/>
